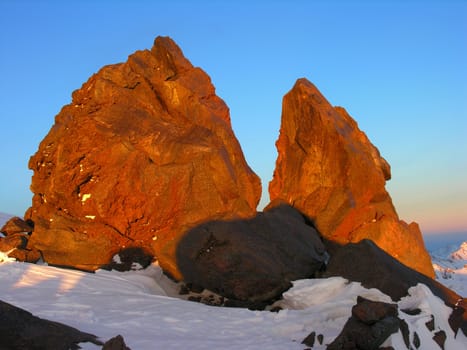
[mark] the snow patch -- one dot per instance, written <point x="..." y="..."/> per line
<point x="5" y="258"/>
<point x="85" y="197"/>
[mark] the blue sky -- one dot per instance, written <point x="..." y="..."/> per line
<point x="398" y="67"/>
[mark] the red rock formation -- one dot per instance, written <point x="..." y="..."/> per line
<point x="144" y="152"/>
<point x="328" y="169"/>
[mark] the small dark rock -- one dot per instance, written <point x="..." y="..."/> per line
<point x="132" y="258"/>
<point x="320" y="339"/>
<point x="275" y="309"/>
<point x="412" y="312"/>
<point x="416" y="340"/>
<point x="440" y="338"/>
<point x="310" y="339"/>
<point x="404" y="327"/>
<point x="431" y="324"/>
<point x="116" y="343"/>
<point x="370" y="312"/>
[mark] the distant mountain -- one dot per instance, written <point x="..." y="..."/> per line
<point x="450" y="264"/>
<point x="461" y="253"/>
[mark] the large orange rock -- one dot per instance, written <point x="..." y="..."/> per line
<point x="329" y="170"/>
<point x="144" y="152"/>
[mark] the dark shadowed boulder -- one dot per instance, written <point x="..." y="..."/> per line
<point x="20" y="330"/>
<point x="251" y="260"/>
<point x="144" y="152"/>
<point x="328" y="169"/>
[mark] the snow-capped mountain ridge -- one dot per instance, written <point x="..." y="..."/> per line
<point x="450" y="264"/>
<point x="461" y="253"/>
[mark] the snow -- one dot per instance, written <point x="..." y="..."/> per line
<point x="145" y="308"/>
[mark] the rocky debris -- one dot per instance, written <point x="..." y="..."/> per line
<point x="251" y="260"/>
<point x="116" y="343"/>
<point x="366" y="263"/>
<point x="17" y="225"/>
<point x="311" y="338"/>
<point x="328" y="169"/>
<point x="15" y="246"/>
<point x="144" y="152"/>
<point x="20" y="330"/>
<point x="371" y="323"/>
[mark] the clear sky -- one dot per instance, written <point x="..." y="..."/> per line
<point x="398" y="67"/>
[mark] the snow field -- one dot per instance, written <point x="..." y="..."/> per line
<point x="141" y="306"/>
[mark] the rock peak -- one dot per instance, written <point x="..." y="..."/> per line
<point x="170" y="56"/>
<point x="130" y="163"/>
<point x="328" y="169"/>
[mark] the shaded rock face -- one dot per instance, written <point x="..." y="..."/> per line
<point x="252" y="260"/>
<point x="144" y="152"/>
<point x="366" y="263"/>
<point x="328" y="169"/>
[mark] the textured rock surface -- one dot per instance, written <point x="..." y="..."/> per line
<point x="252" y="260"/>
<point x="144" y="152"/>
<point x="328" y="169"/>
<point x="16" y="225"/>
<point x="20" y="330"/>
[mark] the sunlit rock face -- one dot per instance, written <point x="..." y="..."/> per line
<point x="144" y="152"/>
<point x="329" y="170"/>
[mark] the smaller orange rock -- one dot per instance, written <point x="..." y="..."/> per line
<point x="328" y="169"/>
